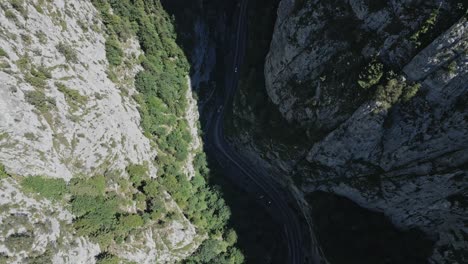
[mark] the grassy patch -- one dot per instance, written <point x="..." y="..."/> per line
<point x="41" y="36"/>
<point x="23" y="62"/>
<point x="30" y="136"/>
<point x="49" y="188"/>
<point x="73" y="97"/>
<point x="3" y="53"/>
<point x="3" y="173"/>
<point x="9" y="14"/>
<point x="38" y="77"/>
<point x="26" y="39"/>
<point x="20" y="242"/>
<point x="19" y="6"/>
<point x="93" y="186"/>
<point x="68" y="52"/>
<point x="40" y="100"/>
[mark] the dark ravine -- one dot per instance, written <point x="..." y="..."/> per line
<point x="384" y="153"/>
<point x="254" y="214"/>
<point x="349" y="233"/>
<point x="295" y="119"/>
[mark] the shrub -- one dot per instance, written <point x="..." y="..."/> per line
<point x="23" y="63"/>
<point x="106" y="258"/>
<point x="27" y="39"/>
<point x="38" y="77"/>
<point x="73" y="97"/>
<point x="82" y="204"/>
<point x="425" y="27"/>
<point x="129" y="222"/>
<point x="68" y="52"/>
<point x="19" y="6"/>
<point x="92" y="186"/>
<point x="231" y="237"/>
<point x="35" y="81"/>
<point x="152" y="189"/>
<point x="113" y="51"/>
<point x="451" y="68"/>
<point x="39" y="100"/>
<point x="371" y="74"/>
<point x="209" y="249"/>
<point x="145" y="83"/>
<point x="157" y="208"/>
<point x="137" y="173"/>
<point x="3" y="53"/>
<point x="50" y="188"/>
<point x="3" y="173"/>
<point x="18" y="242"/>
<point x="41" y="36"/>
<point x="38" y="7"/>
<point x="410" y="91"/>
<point x="41" y="72"/>
<point x="11" y="15"/>
<point x="98" y="219"/>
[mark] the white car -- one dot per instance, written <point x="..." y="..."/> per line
<point x="235" y="69"/>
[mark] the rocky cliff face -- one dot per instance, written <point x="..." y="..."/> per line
<point x="379" y="89"/>
<point x="64" y="113"/>
<point x="85" y="122"/>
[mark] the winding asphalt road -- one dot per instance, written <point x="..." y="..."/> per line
<point x="301" y="246"/>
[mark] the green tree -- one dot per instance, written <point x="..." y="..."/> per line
<point x="138" y="174"/>
<point x="231" y="237"/>
<point x="91" y="186"/>
<point x="113" y="51"/>
<point x="129" y="222"/>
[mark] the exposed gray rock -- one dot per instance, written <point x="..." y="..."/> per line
<point x="69" y="138"/>
<point x="400" y="154"/>
<point x="327" y="43"/>
<point x="45" y="132"/>
<point x="408" y="162"/>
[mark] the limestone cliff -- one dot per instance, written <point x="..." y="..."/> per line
<point x="65" y="113"/>
<point x="377" y="91"/>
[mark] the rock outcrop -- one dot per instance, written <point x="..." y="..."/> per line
<point x="65" y="113"/>
<point x="319" y="49"/>
<point x="380" y="89"/>
<point x="65" y="135"/>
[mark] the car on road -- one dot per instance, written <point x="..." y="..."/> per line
<point x="235" y="69"/>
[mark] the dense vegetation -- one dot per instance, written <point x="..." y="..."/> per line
<point x="53" y="189"/>
<point x="109" y="208"/>
<point x="162" y="86"/>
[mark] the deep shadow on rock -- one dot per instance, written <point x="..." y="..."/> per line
<point x="349" y="233"/>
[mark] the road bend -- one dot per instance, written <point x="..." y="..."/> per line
<point x="301" y="245"/>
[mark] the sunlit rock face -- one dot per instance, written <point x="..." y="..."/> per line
<point x="65" y="136"/>
<point x="64" y="115"/>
